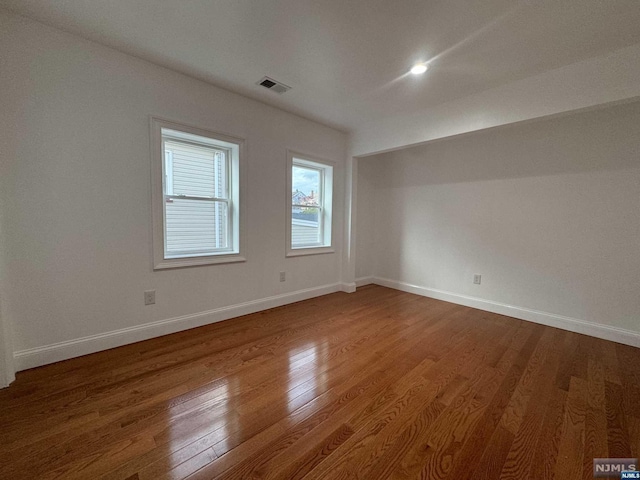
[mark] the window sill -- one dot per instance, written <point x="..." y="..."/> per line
<point x="298" y="252"/>
<point x="197" y="261"/>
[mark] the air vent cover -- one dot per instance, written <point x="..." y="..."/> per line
<point x="273" y="85"/>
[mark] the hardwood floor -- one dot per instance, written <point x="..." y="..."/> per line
<point x="377" y="384"/>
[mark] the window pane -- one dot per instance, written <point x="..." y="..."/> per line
<point x="305" y="183"/>
<point x="195" y="226"/>
<point x="197" y="170"/>
<point x="305" y="226"/>
<point x="221" y="188"/>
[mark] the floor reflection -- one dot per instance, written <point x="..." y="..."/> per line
<point x="307" y="376"/>
<point x="229" y="409"/>
<point x="208" y="418"/>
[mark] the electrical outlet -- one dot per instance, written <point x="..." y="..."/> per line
<point x="477" y="279"/>
<point x="283" y="276"/>
<point x="149" y="297"/>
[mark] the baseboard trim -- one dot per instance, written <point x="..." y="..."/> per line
<point x="6" y="378"/>
<point x="606" y="332"/>
<point x="10" y="377"/>
<point x="348" y="287"/>
<point x="7" y="372"/>
<point x="362" y="281"/>
<point x="35" y="357"/>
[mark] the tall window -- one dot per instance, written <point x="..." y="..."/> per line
<point x="196" y="196"/>
<point x="310" y="201"/>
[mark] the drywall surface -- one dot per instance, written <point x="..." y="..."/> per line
<point x="76" y="190"/>
<point x="547" y="212"/>
<point x="596" y="81"/>
<point x="4" y="377"/>
<point x="7" y="373"/>
<point x="366" y="225"/>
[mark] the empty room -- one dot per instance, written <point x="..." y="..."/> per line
<point x="296" y="239"/>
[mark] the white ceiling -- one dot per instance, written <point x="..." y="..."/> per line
<point x="347" y="59"/>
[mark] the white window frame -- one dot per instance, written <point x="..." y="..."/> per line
<point x="237" y="205"/>
<point x="327" y="195"/>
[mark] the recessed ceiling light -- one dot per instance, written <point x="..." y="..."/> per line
<point x="419" y="68"/>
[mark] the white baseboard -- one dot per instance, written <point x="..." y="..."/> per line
<point x="9" y="377"/>
<point x="606" y="332"/>
<point x="348" y="287"/>
<point x="362" y="281"/>
<point x="7" y="372"/>
<point x="35" y="357"/>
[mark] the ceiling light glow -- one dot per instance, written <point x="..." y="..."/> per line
<point x="419" y="68"/>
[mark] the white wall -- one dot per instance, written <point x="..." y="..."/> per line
<point x="76" y="195"/>
<point x="366" y="225"/>
<point x="4" y="377"/>
<point x="7" y="374"/>
<point x="548" y="212"/>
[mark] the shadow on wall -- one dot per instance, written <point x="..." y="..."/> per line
<point x="522" y="150"/>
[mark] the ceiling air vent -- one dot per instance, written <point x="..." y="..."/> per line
<point x="274" y="85"/>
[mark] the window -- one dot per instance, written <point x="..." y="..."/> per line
<point x="196" y="196"/>
<point x="309" y="205"/>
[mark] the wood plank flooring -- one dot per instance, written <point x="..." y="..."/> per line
<point x="378" y="384"/>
